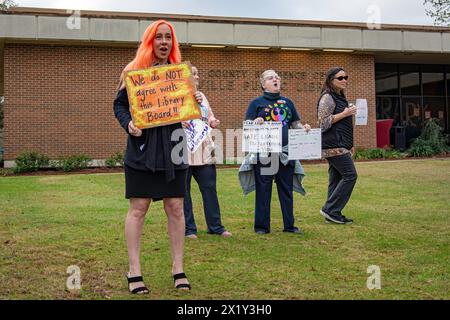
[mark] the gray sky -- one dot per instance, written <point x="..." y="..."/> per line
<point x="374" y="11"/>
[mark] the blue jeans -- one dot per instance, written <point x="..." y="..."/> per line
<point x="206" y="178"/>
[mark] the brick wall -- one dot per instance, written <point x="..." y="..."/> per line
<point x="59" y="98"/>
<point x="1" y="69"/>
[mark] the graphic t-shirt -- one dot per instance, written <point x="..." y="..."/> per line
<point x="274" y="107"/>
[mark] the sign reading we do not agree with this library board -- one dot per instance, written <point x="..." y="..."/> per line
<point x="162" y="95"/>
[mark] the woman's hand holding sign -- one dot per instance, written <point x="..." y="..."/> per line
<point x="185" y="124"/>
<point x="214" y="123"/>
<point x="307" y="127"/>
<point x="258" y="120"/>
<point x="298" y="125"/>
<point x="350" y="111"/>
<point x="133" y="130"/>
<point x="198" y="97"/>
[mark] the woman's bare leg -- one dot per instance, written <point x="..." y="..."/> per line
<point x="134" y="223"/>
<point x="175" y="226"/>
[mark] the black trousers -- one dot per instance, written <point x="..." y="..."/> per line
<point x="284" y="181"/>
<point x="206" y="178"/>
<point x="342" y="179"/>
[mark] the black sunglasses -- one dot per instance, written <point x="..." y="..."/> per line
<point x="342" y="78"/>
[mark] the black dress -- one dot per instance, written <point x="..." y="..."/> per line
<point x="149" y="169"/>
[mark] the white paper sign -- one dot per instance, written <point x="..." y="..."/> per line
<point x="361" y="112"/>
<point x="196" y="133"/>
<point x="263" y="138"/>
<point x="305" y="145"/>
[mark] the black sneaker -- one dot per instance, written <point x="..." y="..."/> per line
<point x="295" y="230"/>
<point x="323" y="213"/>
<point x="347" y="220"/>
<point x="343" y="219"/>
<point x="340" y="219"/>
<point x="335" y="219"/>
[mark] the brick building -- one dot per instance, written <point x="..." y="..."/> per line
<point x="59" y="72"/>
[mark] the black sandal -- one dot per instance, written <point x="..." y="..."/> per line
<point x="140" y="290"/>
<point x="181" y="285"/>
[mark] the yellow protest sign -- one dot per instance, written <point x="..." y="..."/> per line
<point x="162" y="95"/>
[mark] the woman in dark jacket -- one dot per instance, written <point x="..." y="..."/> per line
<point x="335" y="120"/>
<point x="150" y="173"/>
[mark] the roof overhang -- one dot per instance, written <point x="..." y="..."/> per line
<point x="125" y="28"/>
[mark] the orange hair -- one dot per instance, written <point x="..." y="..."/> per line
<point x="144" y="56"/>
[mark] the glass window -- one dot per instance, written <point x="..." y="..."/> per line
<point x="411" y="118"/>
<point x="435" y="108"/>
<point x="447" y="130"/>
<point x="386" y="79"/>
<point x="448" y="80"/>
<point x="409" y="80"/>
<point x="433" y="80"/>
<point x="388" y="108"/>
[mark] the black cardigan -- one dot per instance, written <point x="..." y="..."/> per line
<point x="152" y="150"/>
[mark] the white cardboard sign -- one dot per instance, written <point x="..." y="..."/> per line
<point x="305" y="145"/>
<point x="196" y="133"/>
<point x="262" y="138"/>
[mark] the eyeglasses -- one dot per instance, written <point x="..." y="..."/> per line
<point x="272" y="77"/>
<point x="342" y="78"/>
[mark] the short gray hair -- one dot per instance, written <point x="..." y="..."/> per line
<point x="263" y="75"/>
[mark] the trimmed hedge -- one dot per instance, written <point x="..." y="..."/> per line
<point x="72" y="163"/>
<point x="31" y="161"/>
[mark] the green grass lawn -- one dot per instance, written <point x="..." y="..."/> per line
<point x="402" y="224"/>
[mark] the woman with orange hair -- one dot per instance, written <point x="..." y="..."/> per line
<point x="150" y="173"/>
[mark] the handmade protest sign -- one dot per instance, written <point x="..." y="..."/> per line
<point x="264" y="138"/>
<point x="305" y="145"/>
<point x="361" y="112"/>
<point x="161" y="95"/>
<point x="196" y="133"/>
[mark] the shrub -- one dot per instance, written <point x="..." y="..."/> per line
<point x="115" y="160"/>
<point x="72" y="163"/>
<point x="4" y="172"/>
<point x="431" y="141"/>
<point x="30" y="161"/>
<point x="421" y="148"/>
<point x="376" y="154"/>
<point x="394" y="154"/>
<point x="361" y="154"/>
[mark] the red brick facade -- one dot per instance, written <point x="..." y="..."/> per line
<point x="59" y="98"/>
